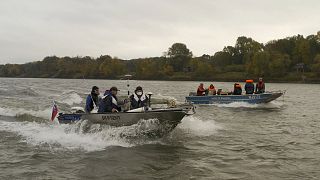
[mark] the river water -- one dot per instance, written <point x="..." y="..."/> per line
<point x="279" y="140"/>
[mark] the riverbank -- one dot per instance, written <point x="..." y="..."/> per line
<point x="223" y="77"/>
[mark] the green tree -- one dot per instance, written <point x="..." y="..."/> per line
<point x="167" y="70"/>
<point x="316" y="66"/>
<point x="245" y="48"/>
<point x="279" y="64"/>
<point x="179" y="56"/>
<point x="222" y="59"/>
<point x="203" y="71"/>
<point x="259" y="64"/>
<point x="179" y="49"/>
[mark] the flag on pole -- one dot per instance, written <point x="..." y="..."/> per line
<point x="54" y="111"/>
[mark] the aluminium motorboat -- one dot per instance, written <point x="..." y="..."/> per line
<point x="228" y="98"/>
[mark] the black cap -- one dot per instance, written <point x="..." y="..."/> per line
<point x="139" y="88"/>
<point x="94" y="88"/>
<point x="114" y="89"/>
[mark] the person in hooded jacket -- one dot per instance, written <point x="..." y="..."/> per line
<point x="201" y="91"/>
<point x="138" y="98"/>
<point x="237" y="90"/>
<point x="249" y="87"/>
<point x="109" y="102"/>
<point x="92" y="100"/>
<point x="260" y="86"/>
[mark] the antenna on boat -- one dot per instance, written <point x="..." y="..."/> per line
<point x="149" y="94"/>
<point x="127" y="101"/>
<point x="128" y="76"/>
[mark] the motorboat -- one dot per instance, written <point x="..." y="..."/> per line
<point x="166" y="118"/>
<point x="229" y="98"/>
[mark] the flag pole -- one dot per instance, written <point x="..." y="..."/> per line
<point x="54" y="110"/>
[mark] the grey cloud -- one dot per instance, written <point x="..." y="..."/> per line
<point x="30" y="30"/>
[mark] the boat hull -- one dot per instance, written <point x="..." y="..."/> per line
<point x="124" y="119"/>
<point x="225" y="99"/>
<point x="163" y="121"/>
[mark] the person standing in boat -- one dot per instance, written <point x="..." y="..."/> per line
<point x="138" y="98"/>
<point x="201" y="91"/>
<point x="260" y="86"/>
<point x="212" y="90"/>
<point x="249" y="87"/>
<point x="92" y="100"/>
<point x="237" y="90"/>
<point x="109" y="102"/>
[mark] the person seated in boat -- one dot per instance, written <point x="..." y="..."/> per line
<point x="107" y="92"/>
<point x="109" y="102"/>
<point x="92" y="99"/>
<point x="212" y="90"/>
<point x="138" y="98"/>
<point x="237" y="90"/>
<point x="249" y="87"/>
<point x="260" y="86"/>
<point x="221" y="92"/>
<point x="201" y="91"/>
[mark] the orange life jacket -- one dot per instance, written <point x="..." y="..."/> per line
<point x="211" y="88"/>
<point x="260" y="85"/>
<point x="200" y="91"/>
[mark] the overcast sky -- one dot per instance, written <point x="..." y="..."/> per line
<point x="33" y="29"/>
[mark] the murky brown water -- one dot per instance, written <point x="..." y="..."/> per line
<point x="279" y="140"/>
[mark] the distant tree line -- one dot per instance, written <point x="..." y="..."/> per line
<point x="294" y="58"/>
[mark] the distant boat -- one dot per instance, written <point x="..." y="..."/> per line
<point x="225" y="99"/>
<point x="126" y="77"/>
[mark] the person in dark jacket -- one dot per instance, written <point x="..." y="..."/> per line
<point x="237" y="90"/>
<point x="201" y="91"/>
<point x="138" y="98"/>
<point x="109" y="102"/>
<point x="92" y="99"/>
<point x="249" y="87"/>
<point x="260" y="86"/>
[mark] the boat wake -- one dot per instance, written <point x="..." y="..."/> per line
<point x="160" y="96"/>
<point x="69" y="98"/>
<point x="83" y="135"/>
<point x="196" y="127"/>
<point x="95" y="137"/>
<point x="270" y="105"/>
<point x="20" y="113"/>
<point x="25" y="91"/>
<point x="62" y="137"/>
<point x="34" y="127"/>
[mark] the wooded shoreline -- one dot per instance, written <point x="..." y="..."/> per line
<point x="292" y="59"/>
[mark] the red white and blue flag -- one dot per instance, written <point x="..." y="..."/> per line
<point x="54" y="111"/>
